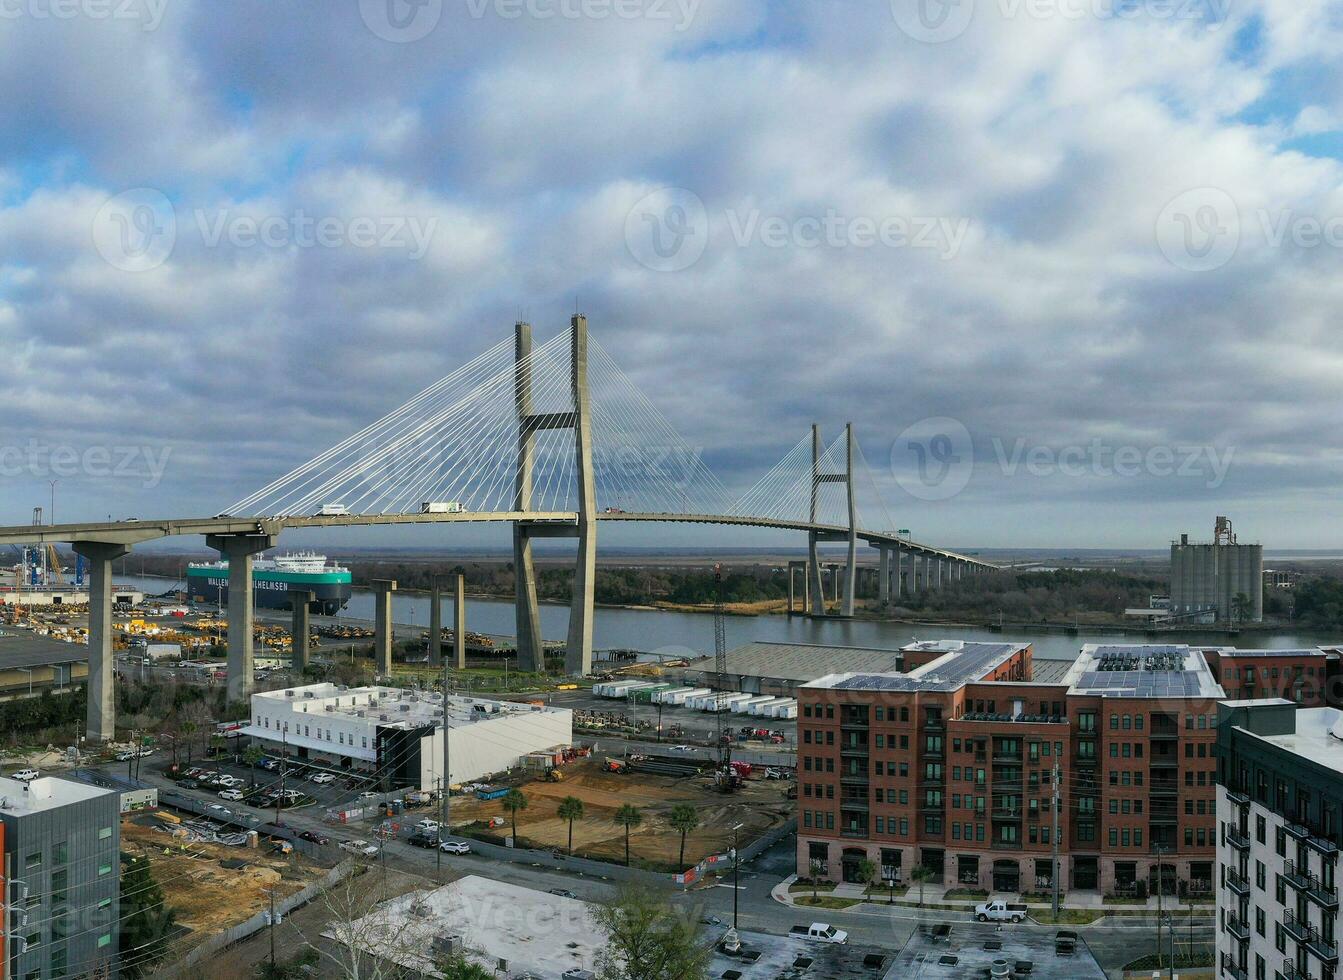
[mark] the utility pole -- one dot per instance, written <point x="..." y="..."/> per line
<point x="1160" y="907"/>
<point x="447" y="774"/>
<point x="1054" y="874"/>
<point x="272" y="930"/>
<point x="284" y="756"/>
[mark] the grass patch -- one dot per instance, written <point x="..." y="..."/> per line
<point x="1182" y="962"/>
<point x="827" y="902"/>
<point x="1122" y="900"/>
<point x="1071" y="917"/>
<point x="797" y="888"/>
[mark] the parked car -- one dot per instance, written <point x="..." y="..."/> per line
<point x="820" y="932"/>
<point x="427" y="826"/>
<point x="189" y="784"/>
<point x="563" y="893"/>
<point x="455" y="847"/>
<point x="313" y="837"/>
<point x="682" y="748"/>
<point x="230" y="794"/>
<point x="368" y="795"/>
<point x="322" y="778"/>
<point x="362" y="847"/>
<point x="26" y="775"/>
<point x="219" y="809"/>
<point x="421" y="839"/>
<point x="1000" y="910"/>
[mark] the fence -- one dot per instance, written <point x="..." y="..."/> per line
<point x="256" y="923"/>
<point x="601" y="869"/>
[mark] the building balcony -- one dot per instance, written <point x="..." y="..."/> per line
<point x="1008" y="813"/>
<point x="1164" y="732"/>
<point x="1230" y="968"/>
<point x="1237" y="883"/>
<point x="854" y="751"/>
<point x="855" y="834"/>
<point x="1290" y="971"/>
<point x="853" y="779"/>
<point x="1236" y="839"/>
<point x="1238" y="929"/>
<point x="1312" y="840"/>
<point x="1295" y="876"/>
<point x="1307" y="935"/>
<point x="1237" y="799"/>
<point x="1163" y="788"/>
<point x="861" y="806"/>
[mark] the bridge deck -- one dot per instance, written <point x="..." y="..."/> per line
<point x="136" y="531"/>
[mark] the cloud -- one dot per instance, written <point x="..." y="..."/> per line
<point x="1048" y="147"/>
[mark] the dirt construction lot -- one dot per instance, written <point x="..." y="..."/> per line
<point x="759" y="805"/>
<point x="207" y="897"/>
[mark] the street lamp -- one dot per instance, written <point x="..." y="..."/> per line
<point x="731" y="941"/>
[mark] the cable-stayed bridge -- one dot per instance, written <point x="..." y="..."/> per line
<point x="551" y="438"/>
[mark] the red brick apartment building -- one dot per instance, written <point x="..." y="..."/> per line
<point x="952" y="765"/>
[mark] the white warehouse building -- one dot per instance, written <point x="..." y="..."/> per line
<point x="397" y="734"/>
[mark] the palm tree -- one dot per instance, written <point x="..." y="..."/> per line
<point x="188" y="730"/>
<point x="252" y="755"/>
<point x="867" y="873"/>
<point x="919" y="875"/>
<point x="571" y="809"/>
<point x="513" y="801"/>
<point x="630" y="816"/>
<point x="685" y="818"/>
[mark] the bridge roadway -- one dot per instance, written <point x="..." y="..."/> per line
<point x="130" y="532"/>
<point x="237" y="539"/>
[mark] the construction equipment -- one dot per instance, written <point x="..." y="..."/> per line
<point x="725" y="778"/>
<point x="55" y="574"/>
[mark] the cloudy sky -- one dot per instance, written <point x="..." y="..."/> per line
<point x="1070" y="266"/>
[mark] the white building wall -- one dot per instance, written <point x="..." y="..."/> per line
<point x="493" y="745"/>
<point x="1275" y="886"/>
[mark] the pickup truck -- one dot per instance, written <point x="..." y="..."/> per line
<point x="820" y="932"/>
<point x="1000" y="911"/>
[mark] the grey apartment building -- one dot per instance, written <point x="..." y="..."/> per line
<point x="61" y="844"/>
<point x="1280" y="822"/>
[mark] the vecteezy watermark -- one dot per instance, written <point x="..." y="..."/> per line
<point x="143" y="464"/>
<point x="137" y="230"/>
<point x="147" y="13"/>
<point x="934" y="459"/>
<point x="679" y="13"/>
<point x="404" y="21"/>
<point x="299" y="229"/>
<point x="939" y="21"/>
<point x="1199" y="230"/>
<point x="669" y="230"/>
<point x="401" y="21"/>
<point x="1202" y="229"/>
<point x="1208" y="464"/>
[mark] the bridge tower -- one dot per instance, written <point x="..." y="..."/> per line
<point x="814" y="571"/>
<point x="531" y="652"/>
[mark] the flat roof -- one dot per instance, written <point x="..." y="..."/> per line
<point x="392" y="707"/>
<point x="20" y="799"/>
<point x="532" y="930"/>
<point x="1314" y="738"/>
<point x="963" y="663"/>
<point x="801" y="661"/>
<point x="21" y="648"/>
<point x="1142" y="670"/>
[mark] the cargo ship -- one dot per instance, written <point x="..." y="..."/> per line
<point x="272" y="580"/>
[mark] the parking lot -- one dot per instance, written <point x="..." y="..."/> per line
<point x="677" y="723"/>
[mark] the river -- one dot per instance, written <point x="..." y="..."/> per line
<point x="660" y="631"/>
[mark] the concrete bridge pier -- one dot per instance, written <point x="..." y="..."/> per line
<point x="459" y="625"/>
<point x="435" y="625"/>
<point x="237" y="550"/>
<point x="101" y="713"/>
<point x="884" y="576"/>
<point x="851" y="565"/>
<point x="382" y="624"/>
<point x="299" y="600"/>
